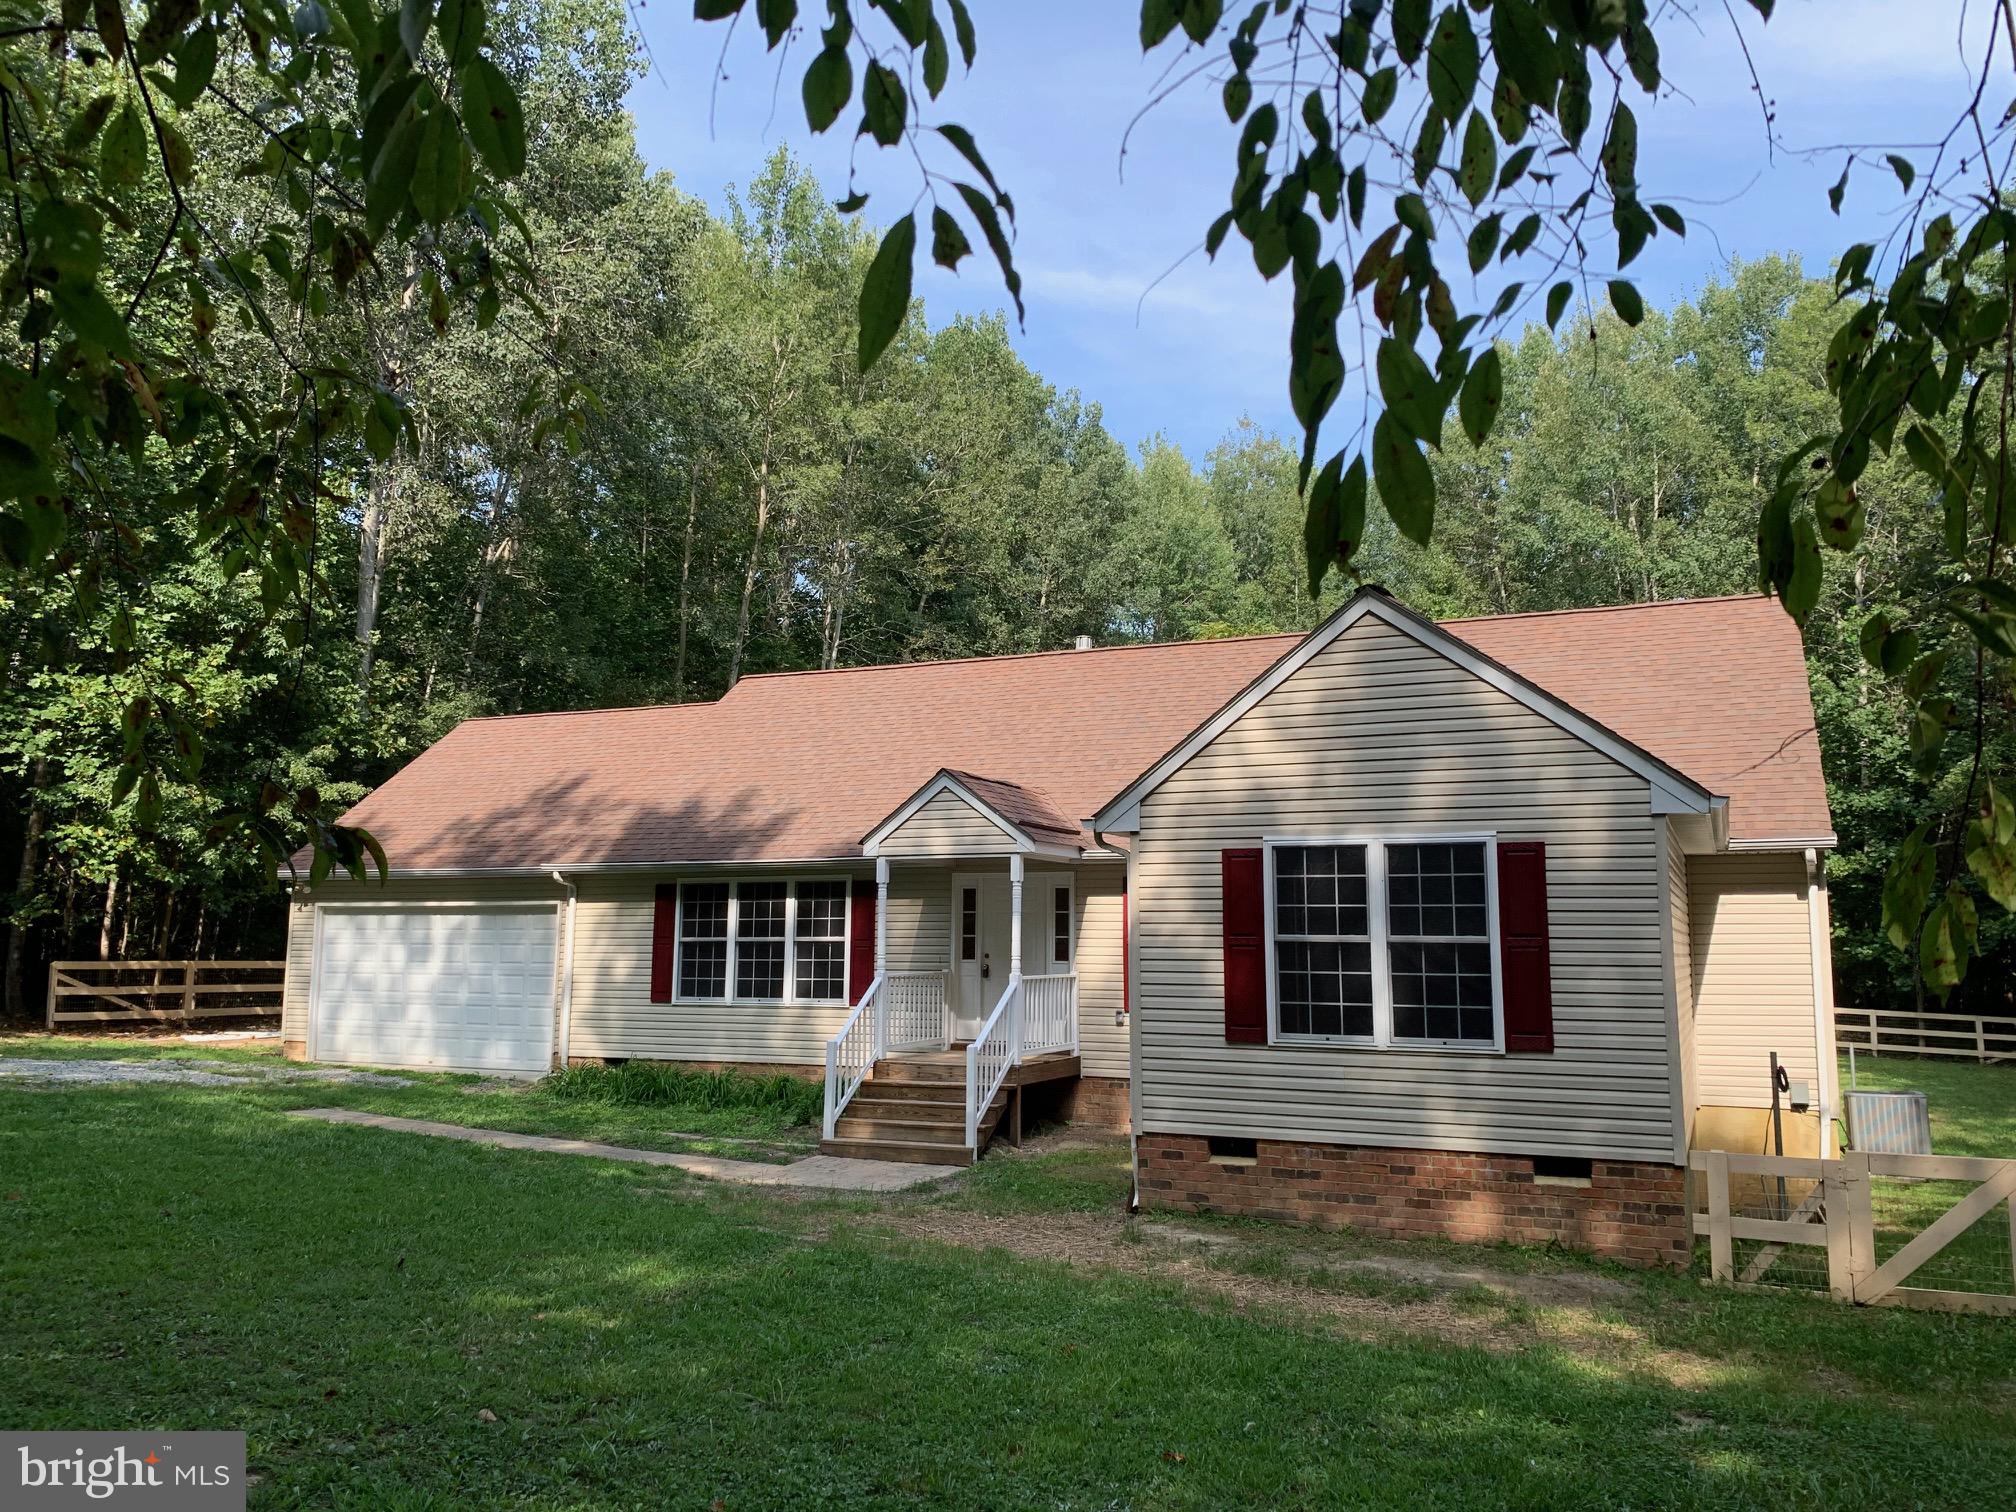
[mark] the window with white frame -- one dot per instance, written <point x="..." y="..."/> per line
<point x="1060" y="924"/>
<point x="1384" y="941"/>
<point x="763" y="941"/>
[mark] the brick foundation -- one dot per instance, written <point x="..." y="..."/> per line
<point x="1097" y="1102"/>
<point x="1627" y="1211"/>
<point x="295" y="1050"/>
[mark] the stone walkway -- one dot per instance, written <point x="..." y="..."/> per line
<point x="831" y="1173"/>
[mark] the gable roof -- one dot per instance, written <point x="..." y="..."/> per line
<point x="1021" y="813"/>
<point x="801" y="766"/>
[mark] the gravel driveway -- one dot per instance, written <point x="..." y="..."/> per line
<point x="186" y="1073"/>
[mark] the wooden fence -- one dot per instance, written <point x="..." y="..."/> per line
<point x="1962" y="1035"/>
<point x="162" y="991"/>
<point x="1829" y="1205"/>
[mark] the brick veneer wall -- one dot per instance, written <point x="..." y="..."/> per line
<point x="1628" y="1211"/>
<point x="1099" y="1102"/>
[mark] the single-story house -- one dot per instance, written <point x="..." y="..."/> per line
<point x="1470" y="928"/>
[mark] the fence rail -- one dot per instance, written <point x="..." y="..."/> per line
<point x="1964" y="1036"/>
<point x="1829" y="1205"/>
<point x="110" y="992"/>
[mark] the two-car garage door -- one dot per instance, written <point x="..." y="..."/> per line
<point x="446" y="988"/>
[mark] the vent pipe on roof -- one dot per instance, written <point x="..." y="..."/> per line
<point x="1082" y="643"/>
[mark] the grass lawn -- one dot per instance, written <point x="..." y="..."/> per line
<point x="743" y="1132"/>
<point x="362" y="1303"/>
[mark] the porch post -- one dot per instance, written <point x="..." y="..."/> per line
<point x="1015" y="916"/>
<point x="881" y="915"/>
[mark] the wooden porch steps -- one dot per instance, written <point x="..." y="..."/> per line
<point x="913" y="1108"/>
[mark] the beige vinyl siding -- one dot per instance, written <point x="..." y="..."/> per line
<point x="301" y="922"/>
<point x="947" y="826"/>
<point x="1379" y="733"/>
<point x="1753" y="974"/>
<point x="1100" y="960"/>
<point x="1680" y="930"/>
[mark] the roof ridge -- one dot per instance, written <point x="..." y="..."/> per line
<point x="1677" y="603"/>
<point x="650" y="708"/>
<point x="1002" y="656"/>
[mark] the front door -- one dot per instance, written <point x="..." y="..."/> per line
<point x="980" y="947"/>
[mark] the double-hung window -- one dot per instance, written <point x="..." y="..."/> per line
<point x="1385" y="941"/>
<point x="763" y="941"/>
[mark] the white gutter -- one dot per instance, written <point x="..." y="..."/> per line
<point x="566" y="970"/>
<point x="1823" y="998"/>
<point x="1129" y="978"/>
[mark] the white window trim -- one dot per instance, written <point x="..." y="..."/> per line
<point x="790" y="998"/>
<point x="1066" y="884"/>
<point x="1378" y="925"/>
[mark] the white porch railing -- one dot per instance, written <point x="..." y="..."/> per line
<point x="1050" y="1013"/>
<point x="901" y="1010"/>
<point x="851" y="1054"/>
<point x="994" y="1050"/>
<point x="1036" y="1015"/>
<point x="916" y="1011"/>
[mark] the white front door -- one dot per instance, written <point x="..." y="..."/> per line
<point x="445" y="988"/>
<point x="980" y="946"/>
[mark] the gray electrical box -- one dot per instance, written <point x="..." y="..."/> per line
<point x="1889" y="1123"/>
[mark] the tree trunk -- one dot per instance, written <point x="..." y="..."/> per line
<point x="111" y="913"/>
<point x="749" y="571"/>
<point x="24" y="888"/>
<point x="371" y="575"/>
<point x="686" y="581"/>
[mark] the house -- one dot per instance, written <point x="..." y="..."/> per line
<point x="1471" y="928"/>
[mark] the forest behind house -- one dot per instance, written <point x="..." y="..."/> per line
<point x="743" y="499"/>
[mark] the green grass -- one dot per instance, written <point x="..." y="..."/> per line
<point x="1973" y="1112"/>
<point x="729" y="1114"/>
<point x="354" y="1298"/>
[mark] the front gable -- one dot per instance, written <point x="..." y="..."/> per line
<point x="1385" y="675"/>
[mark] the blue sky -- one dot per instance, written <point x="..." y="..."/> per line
<point x="1057" y="81"/>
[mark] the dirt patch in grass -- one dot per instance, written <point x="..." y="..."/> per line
<point x="1366" y="1297"/>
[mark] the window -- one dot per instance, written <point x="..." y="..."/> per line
<point x="754" y="940"/>
<point x="1060" y="925"/>
<point x="703" y="939"/>
<point x="821" y="938"/>
<point x="1323" y="941"/>
<point x="1386" y="942"/>
<point x="969" y="924"/>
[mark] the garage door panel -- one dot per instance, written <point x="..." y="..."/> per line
<point x="470" y="989"/>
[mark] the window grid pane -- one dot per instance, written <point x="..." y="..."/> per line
<point x="969" y="924"/>
<point x="1439" y="950"/>
<point x="703" y="939"/>
<point x="1060" y="926"/>
<point x="759" y="939"/>
<point x="1323" y="947"/>
<point x="819" y="960"/>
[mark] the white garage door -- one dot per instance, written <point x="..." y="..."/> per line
<point x="454" y="989"/>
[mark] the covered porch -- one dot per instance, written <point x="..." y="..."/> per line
<point x="934" y="1053"/>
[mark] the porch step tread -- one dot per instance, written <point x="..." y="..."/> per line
<point x="898" y="1149"/>
<point x="851" y="1127"/>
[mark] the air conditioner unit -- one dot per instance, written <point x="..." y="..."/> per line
<point x="1889" y="1123"/>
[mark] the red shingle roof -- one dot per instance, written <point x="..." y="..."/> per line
<point x="800" y="766"/>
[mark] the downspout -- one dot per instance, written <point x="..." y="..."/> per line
<point x="1823" y="996"/>
<point x="566" y="970"/>
<point x="1133" y="1034"/>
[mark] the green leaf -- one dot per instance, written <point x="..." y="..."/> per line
<point x="415" y="16"/>
<point x="1620" y="151"/>
<point x="1523" y="236"/>
<point x="1948" y="940"/>
<point x="1428" y="146"/>
<point x="122" y="155"/>
<point x="1624" y="299"/>
<point x="885" y="107"/>
<point x="962" y="31"/>
<point x="1410" y="28"/>
<point x="1158" y="19"/>
<point x="1480" y="160"/>
<point x="885" y="292"/>
<point x="829" y="84"/>
<point x="1802" y="590"/>
<point x="963" y="143"/>
<point x="90" y="314"/>
<point x="195" y="66"/>
<point x="1406" y="483"/>
<point x="1238" y="94"/>
<point x="1906" y="174"/>
<point x="439" y="168"/>
<point x="493" y="117"/>
<point x="1525" y="49"/>
<point x="1671" y="219"/>
<point x="1483" y="393"/>
<point x="1840" y="189"/>
<point x="997" y="243"/>
<point x="1483" y="241"/>
<point x="1557" y="301"/>
<point x="937" y="59"/>
<point x="1453" y="63"/>
<point x="948" y="240"/>
<point x="1838" y="507"/>
<point x="1413" y="398"/>
<point x="774" y="16"/>
<point x="459" y="25"/>
<point x="1377" y="97"/>
<point x="1907" y="887"/>
<point x="1320" y="525"/>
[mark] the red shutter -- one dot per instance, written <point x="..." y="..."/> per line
<point x="1522" y="943"/>
<point x="1245" y="920"/>
<point x="664" y="940"/>
<point x="861" y="941"/>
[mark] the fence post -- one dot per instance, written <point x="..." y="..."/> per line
<point x="1861" y="1214"/>
<point x="52" y="997"/>
<point x="1721" y="1248"/>
<point x="1834" y="1182"/>
<point x="189" y="992"/>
